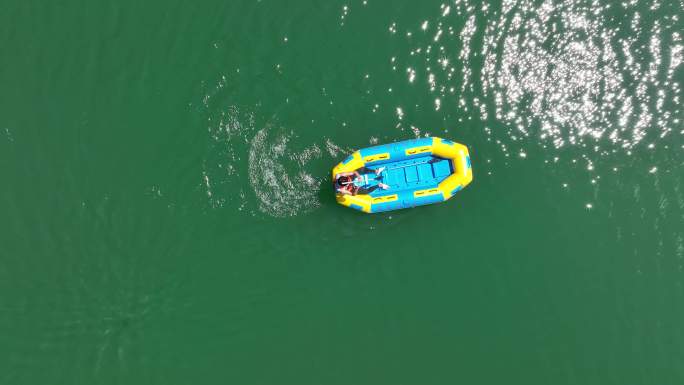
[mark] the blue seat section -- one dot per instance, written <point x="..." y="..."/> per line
<point x="422" y="172"/>
<point x="394" y="177"/>
<point x="442" y="168"/>
<point x="403" y="174"/>
<point x="411" y="174"/>
<point x="425" y="172"/>
<point x="408" y="175"/>
<point x="397" y="150"/>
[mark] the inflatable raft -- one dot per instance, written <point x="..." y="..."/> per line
<point x="413" y="173"/>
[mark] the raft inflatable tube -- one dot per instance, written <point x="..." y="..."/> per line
<point x="418" y="172"/>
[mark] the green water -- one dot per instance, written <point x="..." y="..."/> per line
<point x="167" y="217"/>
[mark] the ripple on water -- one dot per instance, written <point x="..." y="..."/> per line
<point x="258" y="166"/>
<point x="277" y="175"/>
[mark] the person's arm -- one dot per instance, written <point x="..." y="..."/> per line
<point x="343" y="192"/>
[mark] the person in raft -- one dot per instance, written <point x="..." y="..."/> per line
<point x="361" y="181"/>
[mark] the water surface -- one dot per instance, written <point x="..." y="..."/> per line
<point x="168" y="219"/>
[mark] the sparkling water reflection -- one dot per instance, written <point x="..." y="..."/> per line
<point x="573" y="73"/>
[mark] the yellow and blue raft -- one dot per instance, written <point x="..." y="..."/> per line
<point x="418" y="172"/>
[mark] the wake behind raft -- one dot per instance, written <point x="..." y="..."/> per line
<point x="401" y="175"/>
